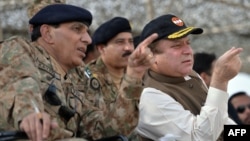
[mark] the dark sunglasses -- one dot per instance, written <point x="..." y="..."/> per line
<point x="51" y="97"/>
<point x="242" y="108"/>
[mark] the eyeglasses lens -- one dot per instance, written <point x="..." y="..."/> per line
<point x="242" y="108"/>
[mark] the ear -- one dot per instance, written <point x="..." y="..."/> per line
<point x="156" y="59"/>
<point x="101" y="48"/>
<point x="46" y="33"/>
<point x="30" y="28"/>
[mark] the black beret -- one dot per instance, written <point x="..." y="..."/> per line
<point x="110" y="29"/>
<point x="61" y="13"/>
<point x="169" y="27"/>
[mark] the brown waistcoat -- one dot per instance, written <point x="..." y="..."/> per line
<point x="191" y="94"/>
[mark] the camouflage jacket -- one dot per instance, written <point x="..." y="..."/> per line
<point x="20" y="82"/>
<point x="26" y="75"/>
<point x="118" y="113"/>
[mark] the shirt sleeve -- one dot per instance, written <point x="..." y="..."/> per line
<point x="19" y="83"/>
<point x="131" y="88"/>
<point x="160" y="115"/>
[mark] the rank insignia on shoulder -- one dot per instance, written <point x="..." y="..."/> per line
<point x="94" y="83"/>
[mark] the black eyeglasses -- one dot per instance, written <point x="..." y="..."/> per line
<point x="52" y="98"/>
<point x="242" y="108"/>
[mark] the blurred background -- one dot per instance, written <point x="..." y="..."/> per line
<point x="226" y="22"/>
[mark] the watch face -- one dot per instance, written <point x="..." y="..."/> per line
<point x="94" y="83"/>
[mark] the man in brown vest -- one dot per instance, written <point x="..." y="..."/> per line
<point x="175" y="104"/>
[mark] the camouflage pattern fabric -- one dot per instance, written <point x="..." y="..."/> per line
<point x="39" y="4"/>
<point x="19" y="83"/>
<point x="117" y="108"/>
<point x="26" y="74"/>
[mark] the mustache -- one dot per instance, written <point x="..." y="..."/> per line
<point x="127" y="53"/>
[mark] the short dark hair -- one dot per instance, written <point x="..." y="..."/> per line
<point x="35" y="34"/>
<point x="90" y="48"/>
<point x="203" y="62"/>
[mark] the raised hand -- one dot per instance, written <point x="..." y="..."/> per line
<point x="226" y="67"/>
<point x="142" y="58"/>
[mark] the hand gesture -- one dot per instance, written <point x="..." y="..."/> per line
<point x="226" y="67"/>
<point x="141" y="58"/>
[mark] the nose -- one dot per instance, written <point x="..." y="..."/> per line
<point x="188" y="49"/>
<point x="86" y="38"/>
<point x="129" y="46"/>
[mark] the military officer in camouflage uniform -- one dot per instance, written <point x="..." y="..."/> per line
<point x="36" y="95"/>
<point x="115" y="80"/>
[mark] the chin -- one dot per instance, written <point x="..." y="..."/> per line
<point x="78" y="63"/>
<point x="186" y="72"/>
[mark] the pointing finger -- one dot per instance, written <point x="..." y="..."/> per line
<point x="144" y="44"/>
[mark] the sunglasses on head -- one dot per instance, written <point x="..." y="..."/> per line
<point x="242" y="108"/>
